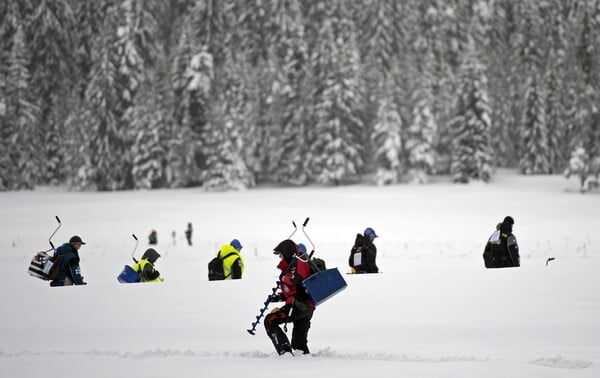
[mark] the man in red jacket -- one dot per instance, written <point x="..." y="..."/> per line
<point x="298" y="308"/>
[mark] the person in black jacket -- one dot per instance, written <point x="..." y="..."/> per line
<point x="66" y="259"/>
<point x="363" y="254"/>
<point x="502" y="250"/>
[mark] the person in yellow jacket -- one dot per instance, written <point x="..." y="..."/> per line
<point x="233" y="263"/>
<point x="145" y="267"/>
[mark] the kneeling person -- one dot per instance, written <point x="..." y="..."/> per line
<point x="145" y="267"/>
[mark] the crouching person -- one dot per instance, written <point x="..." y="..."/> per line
<point x="298" y="308"/>
<point x="145" y="267"/>
<point x="502" y="250"/>
<point x="65" y="268"/>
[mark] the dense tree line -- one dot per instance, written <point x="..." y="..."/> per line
<point x="125" y="94"/>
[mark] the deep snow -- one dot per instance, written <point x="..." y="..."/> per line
<point x="433" y="312"/>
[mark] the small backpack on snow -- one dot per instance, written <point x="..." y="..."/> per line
<point x="215" y="267"/>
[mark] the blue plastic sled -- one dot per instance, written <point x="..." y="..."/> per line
<point x="324" y="284"/>
<point x="128" y="275"/>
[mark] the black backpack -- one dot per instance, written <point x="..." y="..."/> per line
<point x="316" y="265"/>
<point x="215" y="267"/>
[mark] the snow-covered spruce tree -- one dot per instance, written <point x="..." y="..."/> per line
<point x="336" y="150"/>
<point x="381" y="48"/>
<point x="4" y="158"/>
<point x="149" y="148"/>
<point x="555" y="86"/>
<point x="98" y="129"/>
<point x="182" y="169"/>
<point x="421" y="133"/>
<point x="226" y="169"/>
<point x="124" y="52"/>
<point x="504" y="83"/>
<point x="54" y="75"/>
<point x="535" y="153"/>
<point x="20" y="129"/>
<point x="188" y="158"/>
<point x="585" y="167"/>
<point x="585" y="158"/>
<point x="225" y="166"/>
<point x="471" y="151"/>
<point x="534" y="156"/>
<point x="292" y="53"/>
<point x="555" y="118"/>
<point x="387" y="142"/>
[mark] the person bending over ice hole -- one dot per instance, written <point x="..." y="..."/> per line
<point x="502" y="250"/>
<point x="67" y="262"/>
<point x="363" y="254"/>
<point x="146" y="267"/>
<point x="298" y="308"/>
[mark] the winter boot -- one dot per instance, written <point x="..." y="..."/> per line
<point x="280" y="341"/>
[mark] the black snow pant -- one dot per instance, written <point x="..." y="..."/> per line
<point x="300" y="318"/>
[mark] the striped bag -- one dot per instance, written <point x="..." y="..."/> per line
<point x="40" y="266"/>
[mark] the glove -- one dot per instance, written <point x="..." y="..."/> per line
<point x="286" y="310"/>
<point x="275" y="298"/>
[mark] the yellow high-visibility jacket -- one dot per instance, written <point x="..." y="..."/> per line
<point x="231" y="256"/>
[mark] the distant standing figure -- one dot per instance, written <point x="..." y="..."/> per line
<point x="174" y="237"/>
<point x="363" y="254"/>
<point x="502" y="250"/>
<point x="67" y="261"/>
<point x="188" y="233"/>
<point x="153" y="238"/>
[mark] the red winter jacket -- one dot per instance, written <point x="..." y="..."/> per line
<point x="291" y="279"/>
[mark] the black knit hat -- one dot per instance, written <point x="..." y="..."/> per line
<point x="508" y="219"/>
<point x="287" y="248"/>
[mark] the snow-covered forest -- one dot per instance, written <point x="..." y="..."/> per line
<point x="126" y="94"/>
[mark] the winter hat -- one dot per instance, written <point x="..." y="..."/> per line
<point x="506" y="226"/>
<point x="369" y="233"/>
<point x="76" y="239"/>
<point x="236" y="244"/>
<point x="287" y="249"/>
<point x="151" y="255"/>
<point x="302" y="247"/>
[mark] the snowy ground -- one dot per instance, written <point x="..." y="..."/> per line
<point x="433" y="312"/>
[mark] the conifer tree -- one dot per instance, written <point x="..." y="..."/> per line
<point x="471" y="153"/>
<point x="387" y="140"/>
<point x="225" y="165"/>
<point x="336" y="149"/>
<point x="20" y="127"/>
<point x="421" y="133"/>
<point x="54" y="75"/>
<point x="534" y="157"/>
<point x="291" y="49"/>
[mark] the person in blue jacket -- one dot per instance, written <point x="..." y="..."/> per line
<point x="66" y="258"/>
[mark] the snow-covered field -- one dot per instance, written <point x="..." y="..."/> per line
<point x="433" y="312"/>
